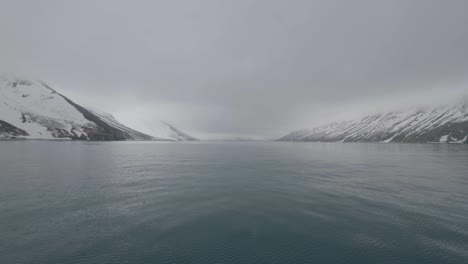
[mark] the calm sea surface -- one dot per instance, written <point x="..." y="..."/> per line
<point x="209" y="202"/>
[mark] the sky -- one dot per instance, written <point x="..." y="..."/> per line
<point x="239" y="68"/>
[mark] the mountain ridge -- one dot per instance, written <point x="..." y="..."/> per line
<point x="34" y="110"/>
<point x="436" y="124"/>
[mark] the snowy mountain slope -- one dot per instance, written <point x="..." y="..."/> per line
<point x="175" y="133"/>
<point x="442" y="124"/>
<point x="165" y="131"/>
<point x="112" y="123"/>
<point x="33" y="110"/>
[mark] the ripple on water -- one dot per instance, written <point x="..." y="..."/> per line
<point x="228" y="203"/>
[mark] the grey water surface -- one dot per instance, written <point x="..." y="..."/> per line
<point x="219" y="202"/>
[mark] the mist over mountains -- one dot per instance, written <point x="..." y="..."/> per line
<point x="430" y="124"/>
<point x="34" y="110"/>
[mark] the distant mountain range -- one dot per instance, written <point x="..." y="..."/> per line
<point x="439" y="124"/>
<point x="33" y="110"/>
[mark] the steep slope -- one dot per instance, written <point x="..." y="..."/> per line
<point x="177" y="134"/>
<point x="113" y="124"/>
<point x="33" y="110"/>
<point x="162" y="132"/>
<point x="443" y="124"/>
<point x="165" y="131"/>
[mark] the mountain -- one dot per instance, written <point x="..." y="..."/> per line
<point x="176" y="134"/>
<point x="162" y="131"/>
<point x="33" y="110"/>
<point x="441" y="124"/>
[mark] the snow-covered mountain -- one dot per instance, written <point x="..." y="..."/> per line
<point x="169" y="131"/>
<point x="33" y="110"/>
<point x="442" y="124"/>
<point x="162" y="130"/>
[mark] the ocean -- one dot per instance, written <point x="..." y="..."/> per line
<point x="232" y="202"/>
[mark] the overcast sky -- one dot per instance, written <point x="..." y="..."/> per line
<point x="238" y="67"/>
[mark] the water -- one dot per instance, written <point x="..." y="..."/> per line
<point x="137" y="202"/>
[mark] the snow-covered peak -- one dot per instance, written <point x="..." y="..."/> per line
<point x="33" y="106"/>
<point x="33" y="110"/>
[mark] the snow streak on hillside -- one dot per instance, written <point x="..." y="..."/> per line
<point x="442" y="124"/>
<point x="33" y="110"/>
<point x="38" y="111"/>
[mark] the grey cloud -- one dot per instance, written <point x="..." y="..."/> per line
<point x="245" y="67"/>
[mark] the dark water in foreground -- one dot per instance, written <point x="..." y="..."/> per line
<point x="75" y="202"/>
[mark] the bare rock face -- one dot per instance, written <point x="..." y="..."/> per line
<point x="440" y="124"/>
<point x="9" y="131"/>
